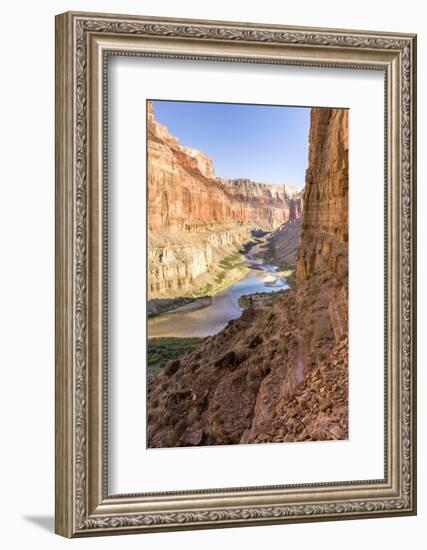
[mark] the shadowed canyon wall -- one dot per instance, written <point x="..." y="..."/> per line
<point x="280" y="371"/>
<point x="324" y="238"/>
<point x="196" y="218"/>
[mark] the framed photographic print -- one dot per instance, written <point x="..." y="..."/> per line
<point x="235" y="274"/>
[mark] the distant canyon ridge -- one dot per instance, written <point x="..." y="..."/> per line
<point x="196" y="219"/>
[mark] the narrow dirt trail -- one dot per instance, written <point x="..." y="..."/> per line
<point x="299" y="360"/>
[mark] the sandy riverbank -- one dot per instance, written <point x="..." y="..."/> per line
<point x="186" y="304"/>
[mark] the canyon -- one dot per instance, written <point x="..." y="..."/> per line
<point x="279" y="372"/>
<point x="196" y="219"/>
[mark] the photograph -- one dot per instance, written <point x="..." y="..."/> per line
<point x="247" y="273"/>
<point x="235" y="270"/>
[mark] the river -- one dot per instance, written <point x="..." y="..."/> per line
<point x="225" y="306"/>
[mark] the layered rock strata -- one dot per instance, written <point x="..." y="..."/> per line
<point x="196" y="218"/>
<point x="188" y="264"/>
<point x="280" y="371"/>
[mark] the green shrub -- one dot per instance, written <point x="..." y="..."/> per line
<point x="220" y="277"/>
<point x="162" y="350"/>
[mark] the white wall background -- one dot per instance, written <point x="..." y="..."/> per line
<point x="27" y="274"/>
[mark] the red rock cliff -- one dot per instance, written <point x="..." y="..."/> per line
<point x="196" y="218"/>
<point x="326" y="192"/>
<point x="324" y="238"/>
<point x="184" y="192"/>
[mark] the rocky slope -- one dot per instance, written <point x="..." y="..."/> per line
<point x="282" y="244"/>
<point x="280" y="372"/>
<point x="195" y="218"/>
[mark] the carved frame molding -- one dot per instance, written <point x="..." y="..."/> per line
<point x="83" y="41"/>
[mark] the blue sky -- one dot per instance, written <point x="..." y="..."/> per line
<point x="264" y="143"/>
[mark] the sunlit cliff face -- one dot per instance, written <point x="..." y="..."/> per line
<point x="196" y="218"/>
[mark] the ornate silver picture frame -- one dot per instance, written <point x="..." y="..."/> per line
<point x="84" y="42"/>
